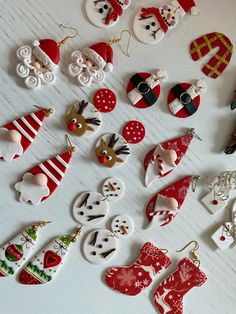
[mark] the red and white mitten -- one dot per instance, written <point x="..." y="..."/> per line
<point x="169" y="295"/>
<point x="132" y="280"/>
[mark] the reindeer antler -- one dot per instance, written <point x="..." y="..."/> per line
<point x="124" y="150"/>
<point x="113" y="141"/>
<point x="82" y="106"/>
<point x="94" y="121"/>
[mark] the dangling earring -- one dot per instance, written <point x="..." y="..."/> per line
<point x="90" y="65"/>
<point x="14" y="253"/>
<point x="39" y="62"/>
<point x="18" y="135"/>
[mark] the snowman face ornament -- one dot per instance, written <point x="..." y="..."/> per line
<point x="113" y="189"/>
<point x="105" y="13"/>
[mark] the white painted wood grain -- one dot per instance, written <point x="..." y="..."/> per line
<point x="79" y="288"/>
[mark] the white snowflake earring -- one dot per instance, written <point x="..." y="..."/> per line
<point x="38" y="63"/>
<point x="105" y="13"/>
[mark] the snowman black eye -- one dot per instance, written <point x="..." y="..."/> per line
<point x="100" y="246"/>
<point x="97" y="203"/>
<point x="153" y="23"/>
<point x="93" y="253"/>
<point x="169" y="10"/>
<point x="148" y="27"/>
<point x="105" y="7"/>
<point x="81" y="213"/>
<point x="101" y="10"/>
<point x="90" y="207"/>
<point x="106" y="240"/>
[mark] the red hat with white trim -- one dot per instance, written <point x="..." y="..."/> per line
<point x="189" y="6"/>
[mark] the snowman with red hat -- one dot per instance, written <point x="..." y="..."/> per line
<point x="90" y="65"/>
<point x="152" y="23"/>
<point x="38" y="63"/>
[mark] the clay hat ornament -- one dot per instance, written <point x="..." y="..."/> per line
<point x="101" y="245"/>
<point x="165" y="157"/>
<point x="91" y="208"/>
<point x="143" y="89"/>
<point x="184" y="98"/>
<point x="152" y="23"/>
<point x="17" y="136"/>
<point x="109" y="148"/>
<point x="105" y="13"/>
<point x="38" y="63"/>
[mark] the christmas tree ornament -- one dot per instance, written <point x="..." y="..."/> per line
<point x="105" y="100"/>
<point x="165" y="157"/>
<point x="204" y="45"/>
<point x="152" y="23"/>
<point x="134" y="279"/>
<point x="133" y="132"/>
<point x="38" y="63"/>
<point x="231" y="147"/>
<point x="14" y="253"/>
<point x="82" y="119"/>
<point x="18" y="135"/>
<point x="101" y="245"/>
<point x="225" y="235"/>
<point x="184" y="98"/>
<point x="38" y="183"/>
<point x="169" y="295"/>
<point x="165" y="205"/>
<point x="44" y="266"/>
<point x="143" y="89"/>
<point x="90" y="65"/>
<point x="108" y="149"/>
<point x="105" y="13"/>
<point x="91" y="208"/>
<point x="233" y="103"/>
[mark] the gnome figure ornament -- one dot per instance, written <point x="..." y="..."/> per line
<point x="151" y="23"/>
<point x="105" y="13"/>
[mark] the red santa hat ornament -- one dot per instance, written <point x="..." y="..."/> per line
<point x="189" y="6"/>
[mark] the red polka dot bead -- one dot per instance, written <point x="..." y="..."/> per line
<point x="222" y="238"/>
<point x="133" y="132"/>
<point x="104" y="100"/>
<point x="215" y="202"/>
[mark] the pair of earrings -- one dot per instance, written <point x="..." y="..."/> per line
<point x="143" y="91"/>
<point x="168" y="296"/>
<point x="43" y="267"/>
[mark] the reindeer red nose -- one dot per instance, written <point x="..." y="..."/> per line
<point x="102" y="159"/>
<point x="71" y="126"/>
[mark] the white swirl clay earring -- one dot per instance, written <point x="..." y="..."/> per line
<point x="37" y="63"/>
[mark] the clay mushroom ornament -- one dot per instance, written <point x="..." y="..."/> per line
<point x="109" y="149"/>
<point x="105" y="13"/>
<point x="83" y="119"/>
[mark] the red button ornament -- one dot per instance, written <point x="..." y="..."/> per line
<point x="133" y="132"/>
<point x="104" y="100"/>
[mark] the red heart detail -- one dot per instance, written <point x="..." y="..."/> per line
<point x="51" y="259"/>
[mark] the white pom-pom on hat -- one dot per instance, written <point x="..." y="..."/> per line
<point x="201" y="84"/>
<point x="162" y="75"/>
<point x="41" y="179"/>
<point x="194" y="11"/>
<point x="108" y="67"/>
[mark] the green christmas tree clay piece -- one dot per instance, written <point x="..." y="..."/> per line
<point x="5" y="269"/>
<point x="32" y="233"/>
<point x="66" y="240"/>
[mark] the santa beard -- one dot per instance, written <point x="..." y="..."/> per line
<point x="85" y="75"/>
<point x="8" y="149"/>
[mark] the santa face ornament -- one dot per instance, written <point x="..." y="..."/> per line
<point x="105" y="13"/>
<point x="90" y="65"/>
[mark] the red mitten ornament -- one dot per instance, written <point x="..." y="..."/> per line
<point x="184" y="98"/>
<point x="18" y="135"/>
<point x="163" y="159"/>
<point x="203" y="45"/>
<point x="132" y="280"/>
<point x="38" y="183"/>
<point x="165" y="205"/>
<point x="169" y="295"/>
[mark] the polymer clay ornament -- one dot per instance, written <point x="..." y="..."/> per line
<point x="184" y="98"/>
<point x="101" y="245"/>
<point x="38" y="63"/>
<point x="152" y="23"/>
<point x="82" y="119"/>
<point x="44" y="266"/>
<point x="109" y="148"/>
<point x="143" y="89"/>
<point x="91" y="208"/>
<point x="169" y="295"/>
<point x="39" y="183"/>
<point x="104" y="100"/>
<point x="18" y="135"/>
<point x="165" y="205"/>
<point x="133" y="132"/>
<point x="105" y="13"/>
<point x="134" y="279"/>
<point x="231" y="147"/>
<point x="204" y="45"/>
<point x="165" y="157"/>
<point x="225" y="235"/>
<point x="14" y="253"/>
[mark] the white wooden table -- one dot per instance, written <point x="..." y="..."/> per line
<point x="79" y="287"/>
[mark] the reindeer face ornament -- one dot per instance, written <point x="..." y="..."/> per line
<point x="83" y="119"/>
<point x="109" y="149"/>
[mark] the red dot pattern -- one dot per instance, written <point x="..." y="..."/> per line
<point x="104" y="100"/>
<point x="134" y="132"/>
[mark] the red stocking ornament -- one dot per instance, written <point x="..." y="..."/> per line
<point x="165" y="205"/>
<point x="132" y="280"/>
<point x="18" y="135"/>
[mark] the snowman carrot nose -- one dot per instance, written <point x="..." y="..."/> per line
<point x="124" y="229"/>
<point x="113" y="188"/>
